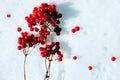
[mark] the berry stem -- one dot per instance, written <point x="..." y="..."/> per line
<point x="49" y="27"/>
<point x="32" y="48"/>
<point x="47" y="65"/>
<point x="25" y="67"/>
<point x="25" y="51"/>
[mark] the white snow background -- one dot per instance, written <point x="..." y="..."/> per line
<point x="94" y="44"/>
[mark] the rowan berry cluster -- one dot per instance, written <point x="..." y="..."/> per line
<point x="51" y="49"/>
<point x="45" y="15"/>
<point x="26" y="40"/>
<point x="43" y="21"/>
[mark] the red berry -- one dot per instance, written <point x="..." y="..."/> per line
<point x="43" y="54"/>
<point x="73" y="30"/>
<point x="23" y="42"/>
<point x="19" y="29"/>
<point x="19" y="47"/>
<point x="40" y="38"/>
<point x="60" y="55"/>
<point x="47" y="32"/>
<point x="90" y="67"/>
<point x="22" y="33"/>
<point x="41" y="33"/>
<point x="8" y="15"/>
<point x="113" y="58"/>
<point x="31" y="29"/>
<point x="25" y="33"/>
<point x="58" y="33"/>
<point x="53" y="7"/>
<point x="77" y="28"/>
<point x="36" y="29"/>
<point x="26" y="18"/>
<point x="60" y="59"/>
<point x="35" y="8"/>
<point x="34" y="42"/>
<point x="74" y="57"/>
<point x="44" y="27"/>
<point x="42" y="9"/>
<point x="49" y="8"/>
<point x="42" y="42"/>
<point x="42" y="49"/>
<point x="44" y="4"/>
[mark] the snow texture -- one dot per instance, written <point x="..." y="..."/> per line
<point x="94" y="44"/>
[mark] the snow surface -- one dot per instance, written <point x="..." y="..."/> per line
<point x="94" y="44"/>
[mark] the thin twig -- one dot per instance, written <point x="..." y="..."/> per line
<point x="25" y="67"/>
<point x="33" y="48"/>
<point x="46" y="63"/>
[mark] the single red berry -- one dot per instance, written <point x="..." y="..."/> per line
<point x="49" y="8"/>
<point x="90" y="67"/>
<point x="43" y="54"/>
<point x="42" y="42"/>
<point x="35" y="8"/>
<point x="25" y="33"/>
<point x="40" y="38"/>
<point x="19" y="29"/>
<point x="19" y="41"/>
<point x="73" y="30"/>
<point x="23" y="42"/>
<point x="60" y="59"/>
<point x="74" y="57"/>
<point x="19" y="47"/>
<point x="58" y="33"/>
<point x="36" y="29"/>
<point x="42" y="9"/>
<point x="26" y="18"/>
<point x="30" y="25"/>
<point x="8" y="15"/>
<point x="44" y="27"/>
<point x="47" y="32"/>
<point x="41" y="33"/>
<point x="44" y="5"/>
<point x="34" y="42"/>
<point x="42" y="49"/>
<point x="31" y="29"/>
<point x="22" y="33"/>
<point x="77" y="28"/>
<point x="60" y="55"/>
<point x="113" y="58"/>
<point x="53" y="7"/>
